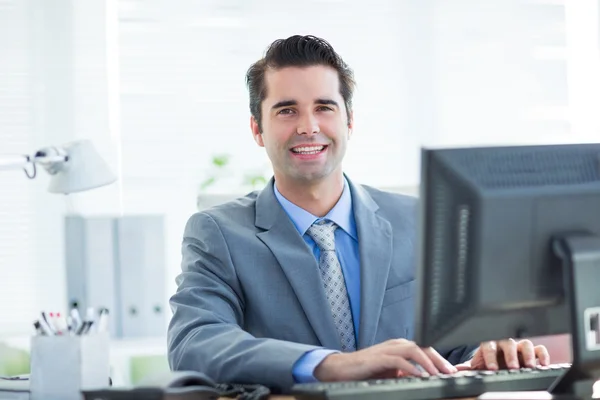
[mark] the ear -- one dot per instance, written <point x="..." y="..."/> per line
<point x="350" y="124"/>
<point x="258" y="137"/>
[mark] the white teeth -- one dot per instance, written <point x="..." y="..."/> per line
<point x="308" y="149"/>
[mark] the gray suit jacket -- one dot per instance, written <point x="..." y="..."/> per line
<point x="250" y="301"/>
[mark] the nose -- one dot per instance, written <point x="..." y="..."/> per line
<point x="308" y="125"/>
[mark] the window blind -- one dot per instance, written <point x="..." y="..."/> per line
<point x="17" y="223"/>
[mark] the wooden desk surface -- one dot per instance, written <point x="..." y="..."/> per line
<point x="292" y="398"/>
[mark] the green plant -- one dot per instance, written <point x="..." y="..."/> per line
<point x="218" y="163"/>
<point x="13" y="361"/>
<point x="141" y="367"/>
<point x="255" y="181"/>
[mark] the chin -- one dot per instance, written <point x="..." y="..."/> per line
<point x="313" y="177"/>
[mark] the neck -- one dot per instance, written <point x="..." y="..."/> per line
<point x="318" y="198"/>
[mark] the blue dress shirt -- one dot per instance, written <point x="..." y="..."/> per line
<point x="346" y="248"/>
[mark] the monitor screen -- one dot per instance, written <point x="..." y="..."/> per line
<point x="489" y="218"/>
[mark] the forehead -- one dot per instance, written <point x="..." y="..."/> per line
<point x="302" y="84"/>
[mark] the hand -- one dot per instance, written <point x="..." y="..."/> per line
<point x="507" y="354"/>
<point x="385" y="360"/>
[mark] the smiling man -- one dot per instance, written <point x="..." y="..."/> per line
<point x="313" y="277"/>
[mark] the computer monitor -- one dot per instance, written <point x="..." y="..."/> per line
<point x="509" y="247"/>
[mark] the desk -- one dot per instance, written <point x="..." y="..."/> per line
<point x="15" y="395"/>
<point x="14" y="390"/>
<point x="18" y="390"/>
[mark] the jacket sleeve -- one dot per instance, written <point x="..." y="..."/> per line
<point x="205" y="333"/>
<point x="459" y="354"/>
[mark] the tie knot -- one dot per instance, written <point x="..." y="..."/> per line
<point x="322" y="233"/>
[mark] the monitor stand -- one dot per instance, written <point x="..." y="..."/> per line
<point x="580" y="255"/>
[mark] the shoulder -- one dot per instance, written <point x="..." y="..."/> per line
<point x="392" y="202"/>
<point x="229" y="215"/>
<point x="400" y="210"/>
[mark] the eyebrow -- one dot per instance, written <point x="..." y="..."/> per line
<point x="287" y="103"/>
<point x="327" y="102"/>
<point x="284" y="103"/>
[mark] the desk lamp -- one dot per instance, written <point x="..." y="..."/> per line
<point x="74" y="167"/>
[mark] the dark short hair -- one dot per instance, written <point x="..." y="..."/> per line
<point x="297" y="51"/>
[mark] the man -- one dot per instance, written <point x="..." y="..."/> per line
<point x="313" y="277"/>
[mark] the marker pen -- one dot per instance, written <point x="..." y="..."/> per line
<point x="46" y="320"/>
<point x="102" y="320"/>
<point x="45" y="328"/>
<point x="76" y="319"/>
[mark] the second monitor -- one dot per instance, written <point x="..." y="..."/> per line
<point x="510" y="247"/>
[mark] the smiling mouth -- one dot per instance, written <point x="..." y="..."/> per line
<point x="308" y="150"/>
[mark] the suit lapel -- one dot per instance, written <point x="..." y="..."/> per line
<point x="375" y="252"/>
<point x="298" y="264"/>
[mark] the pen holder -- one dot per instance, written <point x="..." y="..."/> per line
<point x="63" y="366"/>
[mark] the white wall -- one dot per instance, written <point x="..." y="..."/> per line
<point x="17" y="196"/>
<point x="159" y="87"/>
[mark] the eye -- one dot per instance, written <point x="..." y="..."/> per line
<point x="324" y="108"/>
<point x="285" y="111"/>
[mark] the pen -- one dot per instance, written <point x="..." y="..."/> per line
<point x="88" y="327"/>
<point x="52" y="322"/>
<point x="61" y="324"/>
<point x="70" y="325"/>
<point x="75" y="319"/>
<point x="38" y="328"/>
<point x="102" y="320"/>
<point x="90" y="317"/>
<point x="90" y="314"/>
<point x="84" y="328"/>
<point x="45" y="321"/>
<point x="42" y="327"/>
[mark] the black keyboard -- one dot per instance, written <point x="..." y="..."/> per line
<point x="460" y="384"/>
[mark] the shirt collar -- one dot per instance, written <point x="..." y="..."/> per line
<point x="341" y="214"/>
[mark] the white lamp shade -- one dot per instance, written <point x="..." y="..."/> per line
<point x="83" y="170"/>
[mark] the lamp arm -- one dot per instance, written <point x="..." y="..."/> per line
<point x="52" y="159"/>
<point x="73" y="167"/>
<point x="14" y="162"/>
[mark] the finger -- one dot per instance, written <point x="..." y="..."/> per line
<point x="525" y="349"/>
<point x="466" y="366"/>
<point x="440" y="362"/>
<point x="477" y="362"/>
<point x="489" y="351"/>
<point x="541" y="352"/>
<point x="511" y="354"/>
<point x="416" y="354"/>
<point x="397" y="363"/>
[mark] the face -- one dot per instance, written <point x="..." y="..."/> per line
<point x="305" y="124"/>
